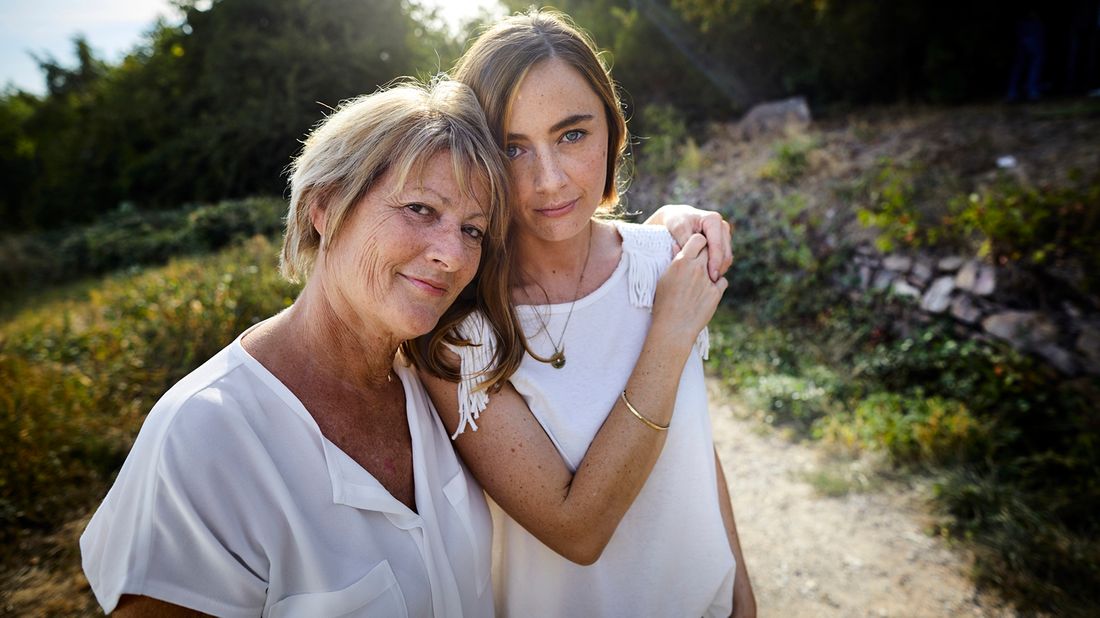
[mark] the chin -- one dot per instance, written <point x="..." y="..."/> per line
<point x="414" y="323"/>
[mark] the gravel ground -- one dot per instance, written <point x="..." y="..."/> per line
<point x="859" y="554"/>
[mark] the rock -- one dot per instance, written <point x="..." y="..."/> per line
<point x="902" y="288"/>
<point x="883" y="279"/>
<point x="1061" y="359"/>
<point x="864" y="276"/>
<point x="897" y="263"/>
<point x="963" y="309"/>
<point x="921" y="273"/>
<point x="1088" y="345"/>
<point x="1023" y="329"/>
<point x="967" y="276"/>
<point x="950" y="263"/>
<point x="775" y="117"/>
<point x="938" y="296"/>
<point x="987" y="280"/>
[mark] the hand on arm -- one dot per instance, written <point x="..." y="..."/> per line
<point x="744" y="600"/>
<point x="518" y="465"/>
<point x="683" y="220"/>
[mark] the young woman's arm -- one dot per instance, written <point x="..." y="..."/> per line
<point x="516" y="463"/>
<point x="744" y="600"/>
<point x="682" y="221"/>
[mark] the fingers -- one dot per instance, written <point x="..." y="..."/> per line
<point x="719" y="251"/>
<point x="694" y="246"/>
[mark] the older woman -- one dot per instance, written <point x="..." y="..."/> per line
<point x="598" y="448"/>
<point x="301" y="471"/>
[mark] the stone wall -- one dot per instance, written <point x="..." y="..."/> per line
<point x="966" y="290"/>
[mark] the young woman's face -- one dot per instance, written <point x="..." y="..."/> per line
<point x="556" y="142"/>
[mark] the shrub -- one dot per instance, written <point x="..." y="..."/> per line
<point x="789" y="400"/>
<point x="80" y="375"/>
<point x="911" y="428"/>
<point x="128" y="238"/>
<point x="790" y="160"/>
<point x="665" y="135"/>
<point x="1036" y="228"/>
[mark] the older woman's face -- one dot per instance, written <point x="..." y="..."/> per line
<point x="405" y="253"/>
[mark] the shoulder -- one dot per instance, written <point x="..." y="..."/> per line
<point x="651" y="240"/>
<point x="173" y="491"/>
<point x="647" y="251"/>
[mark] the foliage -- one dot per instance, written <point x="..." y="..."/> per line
<point x="892" y="211"/>
<point x="1035" y="227"/>
<point x="790" y="160"/>
<point x="208" y="108"/>
<point x="127" y="238"/>
<point x="782" y="257"/>
<point x="1044" y="229"/>
<point x="1011" y="443"/>
<point x="1014" y="444"/>
<point x="662" y="138"/>
<point x="79" y="375"/>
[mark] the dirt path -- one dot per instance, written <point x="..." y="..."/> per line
<point x="860" y="554"/>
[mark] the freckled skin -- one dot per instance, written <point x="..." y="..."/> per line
<point x="551" y="163"/>
<point x="428" y="231"/>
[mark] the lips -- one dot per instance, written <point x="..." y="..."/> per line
<point x="557" y="210"/>
<point x="431" y="286"/>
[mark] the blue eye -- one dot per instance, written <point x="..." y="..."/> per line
<point x="511" y="151"/>
<point x="474" y="232"/>
<point x="574" y="136"/>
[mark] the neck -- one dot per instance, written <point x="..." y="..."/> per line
<point x="543" y="260"/>
<point x="332" y="343"/>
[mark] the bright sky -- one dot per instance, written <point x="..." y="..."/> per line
<point x="112" y="27"/>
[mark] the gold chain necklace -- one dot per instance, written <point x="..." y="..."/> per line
<point x="557" y="359"/>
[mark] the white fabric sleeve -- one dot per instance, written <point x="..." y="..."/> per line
<point x="649" y="250"/>
<point x="174" y="527"/>
<point x="475" y="360"/>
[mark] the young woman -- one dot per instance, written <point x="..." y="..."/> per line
<point x="598" y="450"/>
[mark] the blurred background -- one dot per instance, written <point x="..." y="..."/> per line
<point x="914" y="187"/>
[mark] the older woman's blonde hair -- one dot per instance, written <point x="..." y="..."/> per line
<point x="499" y="59"/>
<point x="397" y="130"/>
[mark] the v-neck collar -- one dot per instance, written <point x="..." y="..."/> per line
<point x="352" y="484"/>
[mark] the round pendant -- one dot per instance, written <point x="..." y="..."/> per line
<point x="557" y="361"/>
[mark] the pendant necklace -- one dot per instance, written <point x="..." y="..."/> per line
<point x="557" y="359"/>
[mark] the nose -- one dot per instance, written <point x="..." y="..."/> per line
<point x="448" y="249"/>
<point x="549" y="174"/>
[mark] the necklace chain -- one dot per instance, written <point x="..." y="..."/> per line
<point x="557" y="360"/>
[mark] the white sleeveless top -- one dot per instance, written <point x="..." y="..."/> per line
<point x="670" y="555"/>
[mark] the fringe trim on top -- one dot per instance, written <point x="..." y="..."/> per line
<point x="474" y="360"/>
<point x="649" y="251"/>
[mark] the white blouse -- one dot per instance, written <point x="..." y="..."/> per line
<point x="670" y="555"/>
<point x="233" y="503"/>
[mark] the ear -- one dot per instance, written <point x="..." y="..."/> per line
<point x="318" y="216"/>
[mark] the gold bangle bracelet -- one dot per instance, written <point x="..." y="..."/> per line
<point x="639" y="415"/>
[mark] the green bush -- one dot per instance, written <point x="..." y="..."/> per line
<point x="1036" y="228"/>
<point x="790" y="160"/>
<point x="80" y="375"/>
<point x="911" y="428"/>
<point x="789" y="400"/>
<point x="782" y="265"/>
<point x="892" y="209"/>
<point x="662" y="138"/>
<point x="128" y="238"/>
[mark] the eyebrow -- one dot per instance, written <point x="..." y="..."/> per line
<point x="559" y="125"/>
